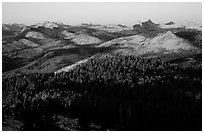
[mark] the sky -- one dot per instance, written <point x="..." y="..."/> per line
<point x="127" y="13"/>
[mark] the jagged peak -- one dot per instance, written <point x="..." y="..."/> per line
<point x="169" y="23"/>
<point x="164" y="35"/>
<point x="150" y="21"/>
<point x="47" y="24"/>
<point x="139" y="23"/>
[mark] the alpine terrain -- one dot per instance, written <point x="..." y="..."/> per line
<point x="143" y="77"/>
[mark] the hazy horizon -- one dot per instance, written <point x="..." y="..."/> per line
<point x="127" y="13"/>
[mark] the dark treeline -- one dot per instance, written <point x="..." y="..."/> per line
<point x="194" y="36"/>
<point x="117" y="92"/>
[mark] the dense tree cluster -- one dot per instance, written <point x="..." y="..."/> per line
<point x="118" y="92"/>
<point x="194" y="36"/>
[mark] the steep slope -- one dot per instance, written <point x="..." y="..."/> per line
<point x="25" y="51"/>
<point x="18" y="45"/>
<point x="192" y="35"/>
<point x="97" y="56"/>
<point x="148" y="28"/>
<point x="11" y="30"/>
<point x="57" y="58"/>
<point x="13" y="27"/>
<point x="164" y="43"/>
<point x="71" y="67"/>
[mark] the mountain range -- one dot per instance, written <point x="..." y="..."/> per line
<point x="102" y="77"/>
<point x="55" y="47"/>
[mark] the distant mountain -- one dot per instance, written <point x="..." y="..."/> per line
<point x="148" y="28"/>
<point x="49" y="25"/>
<point x="140" y="45"/>
<point x="13" y="27"/>
<point x="170" y="23"/>
<point x="110" y="28"/>
<point x="11" y="30"/>
<point x="81" y="38"/>
<point x="186" y="25"/>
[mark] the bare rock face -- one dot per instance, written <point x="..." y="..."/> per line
<point x="81" y="38"/>
<point x="110" y="28"/>
<point x="47" y="24"/>
<point x="85" y="39"/>
<point x="169" y="42"/>
<point x="129" y="41"/>
<point x="148" y="28"/>
<point x="35" y="35"/>
<point x="67" y="34"/>
<point x="149" y="25"/>
<point x="141" y="45"/>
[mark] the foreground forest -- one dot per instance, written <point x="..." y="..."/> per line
<point x="108" y="92"/>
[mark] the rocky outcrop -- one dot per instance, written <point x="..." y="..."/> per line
<point x="110" y="28"/>
<point x="148" y="28"/>
<point x="35" y="35"/>
<point x="47" y="24"/>
<point x="170" y="23"/>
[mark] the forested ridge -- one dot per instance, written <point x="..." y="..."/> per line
<point x="115" y="91"/>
